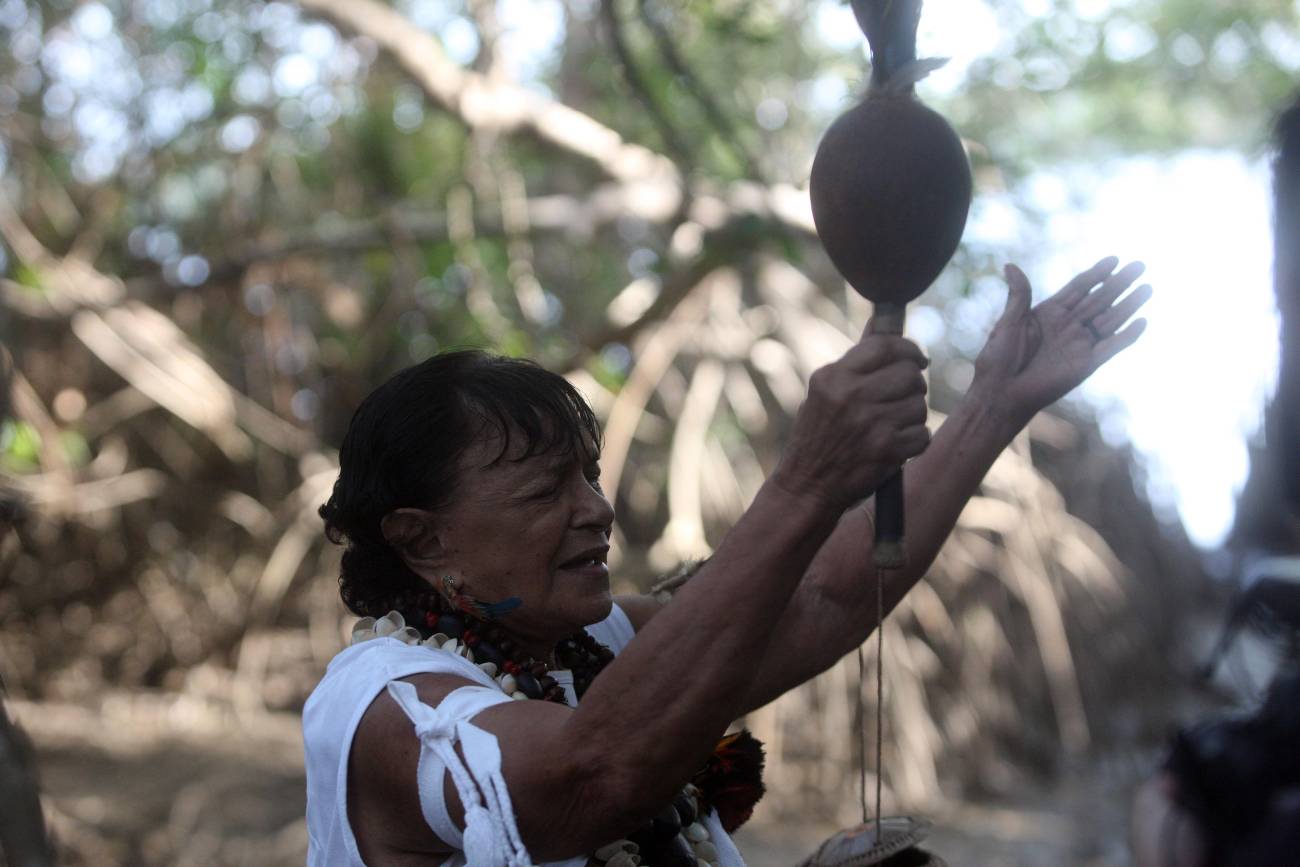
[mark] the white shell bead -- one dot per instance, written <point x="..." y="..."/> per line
<point x="389" y="623"/>
<point x="451" y="646"/>
<point x="519" y="696"/>
<point x="489" y="668"/>
<point x="364" y="628"/>
<point x="608" y="851"/>
<point x="407" y="635"/>
<point x="508" y="683"/>
<point x="706" y="851"/>
<point x="624" y="859"/>
<point x="438" y="639"/>
<point x="696" y="832"/>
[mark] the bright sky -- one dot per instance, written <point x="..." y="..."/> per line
<point x="1191" y="392"/>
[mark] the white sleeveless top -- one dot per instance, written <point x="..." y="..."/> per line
<point x="334" y="710"/>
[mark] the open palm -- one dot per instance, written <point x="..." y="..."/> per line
<point x="1037" y="354"/>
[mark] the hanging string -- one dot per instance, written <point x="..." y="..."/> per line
<point x="862" y="737"/>
<point x="880" y="703"/>
<point x="880" y="688"/>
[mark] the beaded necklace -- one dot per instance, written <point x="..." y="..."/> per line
<point x="730" y="782"/>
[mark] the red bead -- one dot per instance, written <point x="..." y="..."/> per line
<point x="430" y="619"/>
<point x="511" y="666"/>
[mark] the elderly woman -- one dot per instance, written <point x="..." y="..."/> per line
<point x="509" y="710"/>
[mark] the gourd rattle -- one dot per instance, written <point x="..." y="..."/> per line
<point x="890" y="188"/>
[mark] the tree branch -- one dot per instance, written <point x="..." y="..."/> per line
<point x="712" y="111"/>
<point x="648" y="184"/>
<point x="632" y="73"/>
<point x="504" y="108"/>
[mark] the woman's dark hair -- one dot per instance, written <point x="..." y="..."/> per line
<point x="403" y="449"/>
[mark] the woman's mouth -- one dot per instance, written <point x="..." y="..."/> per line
<point x="589" y="563"/>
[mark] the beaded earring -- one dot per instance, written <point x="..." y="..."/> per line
<point x="466" y="603"/>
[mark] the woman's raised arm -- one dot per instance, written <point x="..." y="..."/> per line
<point x="1033" y="357"/>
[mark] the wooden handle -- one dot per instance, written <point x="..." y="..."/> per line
<point x="888" y="551"/>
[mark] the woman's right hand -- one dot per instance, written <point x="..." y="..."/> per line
<point x="864" y="417"/>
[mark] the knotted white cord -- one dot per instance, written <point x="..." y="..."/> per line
<point x="491" y="835"/>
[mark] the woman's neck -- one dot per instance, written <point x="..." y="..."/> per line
<point x="539" y="647"/>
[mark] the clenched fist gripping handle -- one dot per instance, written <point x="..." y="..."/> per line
<point x="888" y="551"/>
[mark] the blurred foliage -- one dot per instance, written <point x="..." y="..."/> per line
<point x="221" y="224"/>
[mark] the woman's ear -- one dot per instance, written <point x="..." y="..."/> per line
<point x="412" y="533"/>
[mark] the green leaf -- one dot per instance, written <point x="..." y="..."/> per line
<point x="20" y="446"/>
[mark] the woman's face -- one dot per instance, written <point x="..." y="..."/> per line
<point x="536" y="529"/>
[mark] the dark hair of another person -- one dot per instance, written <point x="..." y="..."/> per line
<point x="1239" y="777"/>
<point x="403" y="449"/>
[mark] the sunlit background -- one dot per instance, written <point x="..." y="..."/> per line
<point x="1191" y="395"/>
<point x="222" y="223"/>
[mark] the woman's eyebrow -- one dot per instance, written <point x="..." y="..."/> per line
<point x="551" y="472"/>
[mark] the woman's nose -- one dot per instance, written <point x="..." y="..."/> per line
<point x="594" y="508"/>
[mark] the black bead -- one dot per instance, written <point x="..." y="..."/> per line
<point x="484" y="652"/>
<point x="645" y="839"/>
<point x="528" y="685"/>
<point x="667" y="823"/>
<point x="678" y="853"/>
<point x="451" y="626"/>
<point x="685" y="811"/>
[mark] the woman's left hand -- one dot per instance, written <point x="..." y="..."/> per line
<point x="1035" y="355"/>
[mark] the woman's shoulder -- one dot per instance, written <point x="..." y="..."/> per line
<point x="358" y="673"/>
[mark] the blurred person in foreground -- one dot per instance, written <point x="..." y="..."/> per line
<point x="500" y="706"/>
<point x="1229" y="792"/>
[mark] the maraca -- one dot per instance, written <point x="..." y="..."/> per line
<point x="891" y="188"/>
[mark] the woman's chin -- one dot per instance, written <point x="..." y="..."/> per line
<point x="599" y="605"/>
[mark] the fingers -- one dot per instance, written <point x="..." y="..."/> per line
<point x="1111" y="346"/>
<point x="899" y="380"/>
<point x="910" y="442"/>
<point x="904" y="412"/>
<point x="875" y="351"/>
<point x="1019" y="294"/>
<point x="1111" y="288"/>
<point x="1078" y="288"/>
<point x="1108" y="321"/>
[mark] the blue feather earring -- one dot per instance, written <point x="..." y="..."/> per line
<point x="467" y="604"/>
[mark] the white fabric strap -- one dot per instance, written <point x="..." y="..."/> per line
<point x="460" y="704"/>
<point x="491" y="836"/>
